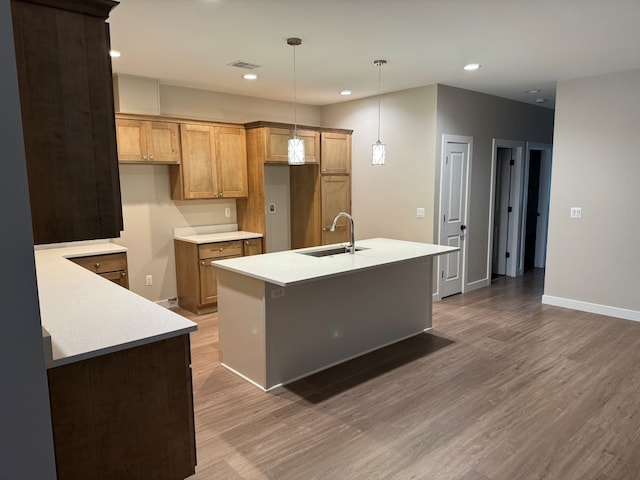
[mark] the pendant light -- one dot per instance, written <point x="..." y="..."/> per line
<point x="378" y="149"/>
<point x="295" y="150"/>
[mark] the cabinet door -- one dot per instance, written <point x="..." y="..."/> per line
<point x="231" y="162"/>
<point x="199" y="176"/>
<point x="311" y="145"/>
<point x="163" y="142"/>
<point x="66" y="100"/>
<point x="336" y="197"/>
<point x="132" y="140"/>
<point x="208" y="282"/>
<point x="252" y="246"/>
<point x="336" y="153"/>
<point x="277" y="140"/>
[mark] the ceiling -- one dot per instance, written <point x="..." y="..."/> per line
<point x="522" y="45"/>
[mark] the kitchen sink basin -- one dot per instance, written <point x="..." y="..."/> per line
<point x="326" y="252"/>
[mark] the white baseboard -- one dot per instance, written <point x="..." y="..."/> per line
<point x="470" y="287"/>
<point x="592" y="308"/>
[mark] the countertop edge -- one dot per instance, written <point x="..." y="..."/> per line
<point x="117" y="348"/>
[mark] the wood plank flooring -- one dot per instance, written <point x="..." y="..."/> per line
<point x="503" y="388"/>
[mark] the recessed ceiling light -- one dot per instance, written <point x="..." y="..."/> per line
<point x="472" y="66"/>
<point x="114" y="53"/>
<point x="250" y="76"/>
<point x="345" y="92"/>
<point x="533" y="91"/>
<point x="541" y="100"/>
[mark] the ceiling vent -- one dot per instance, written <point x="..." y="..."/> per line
<point x="245" y="65"/>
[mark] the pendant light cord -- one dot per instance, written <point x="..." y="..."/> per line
<point x="295" y="102"/>
<point x="379" y="75"/>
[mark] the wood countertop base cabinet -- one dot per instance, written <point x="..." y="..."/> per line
<point x="125" y="415"/>
<point x="196" y="277"/>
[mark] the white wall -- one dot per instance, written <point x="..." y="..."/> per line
<point x="485" y="117"/>
<point x="596" y="167"/>
<point x="385" y="198"/>
<point x="149" y="213"/>
<point x="25" y="420"/>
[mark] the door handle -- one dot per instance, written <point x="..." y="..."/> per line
<point x="463" y="227"/>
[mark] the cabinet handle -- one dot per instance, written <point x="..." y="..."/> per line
<point x="324" y="170"/>
<point x="221" y="249"/>
<point x="97" y="265"/>
<point x="144" y="157"/>
<point x="202" y="263"/>
<point x="151" y="157"/>
<point x="123" y="274"/>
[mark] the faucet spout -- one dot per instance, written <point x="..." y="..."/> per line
<point x="352" y="245"/>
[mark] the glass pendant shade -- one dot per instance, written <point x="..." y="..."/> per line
<point x="378" y="151"/>
<point x="295" y="151"/>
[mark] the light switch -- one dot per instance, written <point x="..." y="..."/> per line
<point x="271" y="208"/>
<point x="576" y="212"/>
<point x="420" y="213"/>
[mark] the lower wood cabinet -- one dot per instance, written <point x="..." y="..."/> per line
<point x="125" y="415"/>
<point x="196" y="278"/>
<point x="112" y="266"/>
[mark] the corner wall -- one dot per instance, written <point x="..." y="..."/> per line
<point x="595" y="166"/>
<point x="484" y="117"/>
<point x="25" y="419"/>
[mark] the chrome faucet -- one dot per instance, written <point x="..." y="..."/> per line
<point x="352" y="245"/>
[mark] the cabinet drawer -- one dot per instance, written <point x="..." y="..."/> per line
<point x="103" y="263"/>
<point x="119" y="277"/>
<point x="220" y="249"/>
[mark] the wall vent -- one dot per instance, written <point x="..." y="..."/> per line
<point x="245" y="65"/>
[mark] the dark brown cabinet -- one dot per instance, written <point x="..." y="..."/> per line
<point x="66" y="98"/>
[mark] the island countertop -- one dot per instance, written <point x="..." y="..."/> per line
<point x="293" y="266"/>
<point x="87" y="315"/>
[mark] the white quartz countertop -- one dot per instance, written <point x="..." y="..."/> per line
<point x="217" y="237"/>
<point x="292" y="267"/>
<point x="87" y="315"/>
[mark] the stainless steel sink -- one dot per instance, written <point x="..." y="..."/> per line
<point x="330" y="251"/>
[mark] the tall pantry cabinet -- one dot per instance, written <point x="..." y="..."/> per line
<point x="66" y="98"/>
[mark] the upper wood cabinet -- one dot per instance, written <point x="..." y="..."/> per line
<point x="277" y="145"/>
<point x="214" y="163"/>
<point x="269" y="142"/>
<point x="66" y="98"/>
<point x="147" y="141"/>
<point x="335" y="153"/>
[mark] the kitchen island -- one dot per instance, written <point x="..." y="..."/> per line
<point x="285" y="315"/>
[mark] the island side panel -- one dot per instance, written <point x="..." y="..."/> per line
<point x="241" y="325"/>
<point x="321" y="323"/>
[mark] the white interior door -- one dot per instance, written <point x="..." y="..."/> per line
<point x="453" y="220"/>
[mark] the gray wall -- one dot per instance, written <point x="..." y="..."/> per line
<point x="25" y="422"/>
<point x="596" y="167"/>
<point x="485" y="117"/>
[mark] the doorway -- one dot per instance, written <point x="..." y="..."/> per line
<point x="505" y="215"/>
<point x="521" y="179"/>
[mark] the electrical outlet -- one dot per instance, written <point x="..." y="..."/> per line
<point x="277" y="293"/>
<point x="576" y="212"/>
<point x="227" y="212"/>
<point x="149" y="280"/>
<point x="420" y="213"/>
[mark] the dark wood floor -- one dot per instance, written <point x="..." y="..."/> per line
<point x="503" y="388"/>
